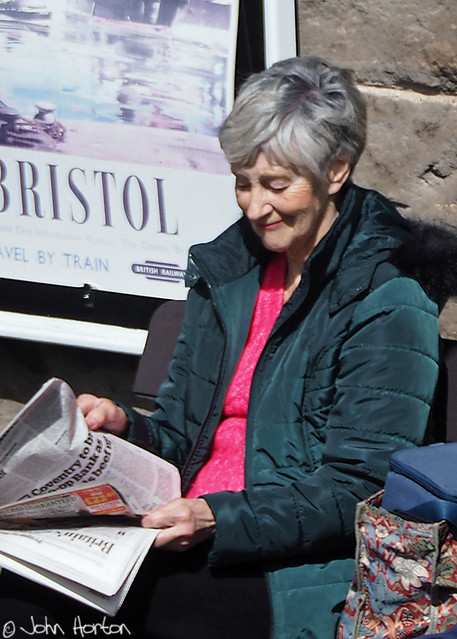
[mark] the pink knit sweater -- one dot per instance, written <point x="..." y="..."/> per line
<point x="224" y="470"/>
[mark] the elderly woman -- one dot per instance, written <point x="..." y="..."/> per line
<point x="305" y="359"/>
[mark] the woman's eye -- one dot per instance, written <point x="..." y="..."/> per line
<point x="277" y="188"/>
<point x="240" y="186"/>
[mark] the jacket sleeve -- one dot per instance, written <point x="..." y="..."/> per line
<point x="387" y="372"/>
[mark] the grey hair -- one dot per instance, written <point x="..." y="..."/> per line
<point x="302" y="113"/>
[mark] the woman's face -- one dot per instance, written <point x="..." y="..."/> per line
<point x="288" y="212"/>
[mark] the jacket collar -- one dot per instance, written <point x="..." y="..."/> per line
<point x="371" y="229"/>
<point x="364" y="234"/>
<point x="227" y="258"/>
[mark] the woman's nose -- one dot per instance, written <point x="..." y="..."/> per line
<point x="258" y="205"/>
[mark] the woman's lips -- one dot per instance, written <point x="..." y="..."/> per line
<point x="269" y="227"/>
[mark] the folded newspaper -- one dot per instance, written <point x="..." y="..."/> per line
<point x="71" y="500"/>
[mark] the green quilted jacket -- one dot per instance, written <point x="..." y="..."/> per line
<point x="346" y="377"/>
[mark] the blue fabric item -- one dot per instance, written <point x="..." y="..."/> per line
<point x="449" y="634"/>
<point x="422" y="483"/>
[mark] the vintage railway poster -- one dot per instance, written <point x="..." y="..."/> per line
<point x="110" y="166"/>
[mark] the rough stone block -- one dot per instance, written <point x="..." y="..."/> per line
<point x="401" y="43"/>
<point x="411" y="152"/>
<point x="448" y="320"/>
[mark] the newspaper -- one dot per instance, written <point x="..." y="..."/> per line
<point x="71" y="500"/>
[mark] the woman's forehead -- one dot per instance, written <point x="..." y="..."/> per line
<point x="262" y="162"/>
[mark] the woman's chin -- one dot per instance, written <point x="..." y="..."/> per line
<point x="275" y="246"/>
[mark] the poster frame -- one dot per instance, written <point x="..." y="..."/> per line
<point x="279" y="42"/>
<point x="280" y="30"/>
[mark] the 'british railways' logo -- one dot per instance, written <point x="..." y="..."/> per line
<point x="159" y="271"/>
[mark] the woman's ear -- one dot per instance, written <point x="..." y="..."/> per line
<point x="338" y="174"/>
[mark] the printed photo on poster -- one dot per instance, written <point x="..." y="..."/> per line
<point x="110" y="165"/>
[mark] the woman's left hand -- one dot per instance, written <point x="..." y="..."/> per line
<point x="183" y="523"/>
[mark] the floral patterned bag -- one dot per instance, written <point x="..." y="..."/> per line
<point x="405" y="583"/>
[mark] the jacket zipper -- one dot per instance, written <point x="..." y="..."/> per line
<point x="185" y="478"/>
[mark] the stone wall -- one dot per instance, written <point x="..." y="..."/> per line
<point x="404" y="56"/>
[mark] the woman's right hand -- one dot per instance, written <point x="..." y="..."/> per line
<point x="101" y="412"/>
